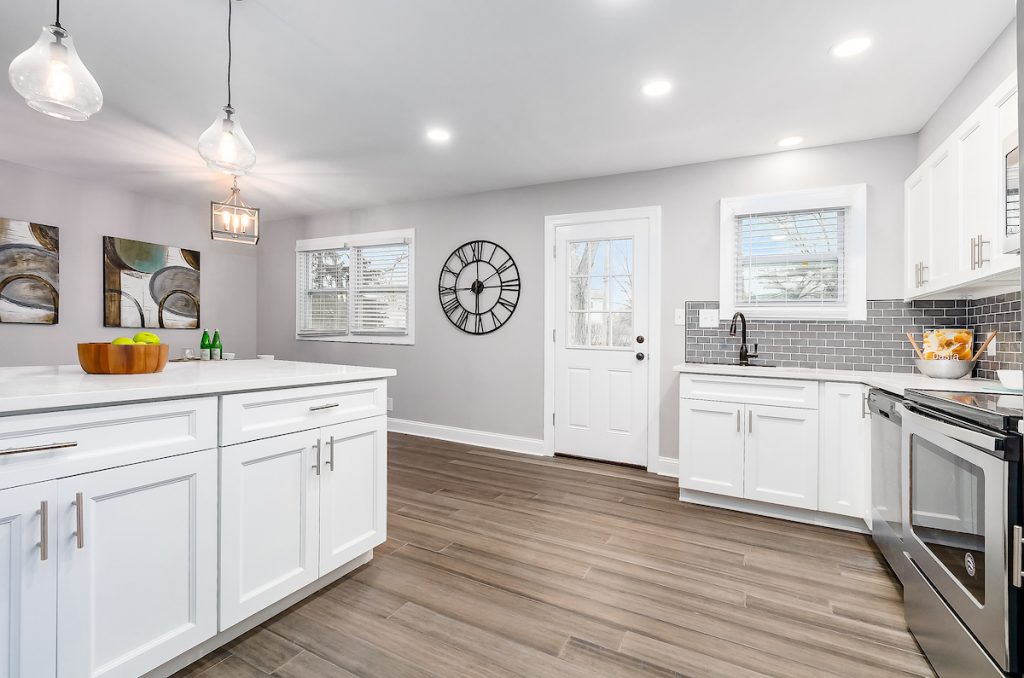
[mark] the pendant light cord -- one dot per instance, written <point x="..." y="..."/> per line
<point x="230" y="2"/>
<point x="57" y="22"/>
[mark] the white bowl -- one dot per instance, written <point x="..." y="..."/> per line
<point x="1011" y="379"/>
<point x="945" y="369"/>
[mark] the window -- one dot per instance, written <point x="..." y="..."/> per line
<point x="796" y="255"/>
<point x="601" y="293"/>
<point x="355" y="288"/>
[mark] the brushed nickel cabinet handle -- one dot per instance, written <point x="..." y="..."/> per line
<point x="738" y="419"/>
<point x="37" y="448"/>
<point x="317" y="464"/>
<point x="79" y="520"/>
<point x="44" y="530"/>
<point x="924" y="280"/>
<point x="317" y="408"/>
<point x="981" y="252"/>
<point x="974" y="255"/>
<point x="330" y="459"/>
<point x="864" y="411"/>
<point x="750" y="421"/>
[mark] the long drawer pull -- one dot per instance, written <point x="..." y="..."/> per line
<point x="317" y="464"/>
<point x="317" y="408"/>
<point x="79" y="520"/>
<point x="37" y="448"/>
<point x="330" y="460"/>
<point x="44" y="530"/>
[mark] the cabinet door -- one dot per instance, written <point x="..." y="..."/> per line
<point x="268" y="510"/>
<point x="353" y="490"/>
<point x="978" y="181"/>
<point x="944" y="262"/>
<point x="781" y="456"/>
<point x="137" y="561"/>
<point x="917" y="198"/>
<point x="845" y="440"/>
<point x="1007" y="243"/>
<point x="711" y="446"/>
<point x="28" y="581"/>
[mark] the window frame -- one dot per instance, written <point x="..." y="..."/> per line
<point x="852" y="198"/>
<point x="405" y="236"/>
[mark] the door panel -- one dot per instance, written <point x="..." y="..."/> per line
<point x="979" y="188"/>
<point x="781" y="456"/>
<point x="353" y="491"/>
<point x="943" y="208"/>
<point x="138" y="581"/>
<point x="711" y="447"/>
<point x="601" y="301"/>
<point x="269" y="522"/>
<point x="846" y="431"/>
<point x="28" y="584"/>
<point x="917" y="198"/>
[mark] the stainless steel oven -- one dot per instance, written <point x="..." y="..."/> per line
<point x="962" y="501"/>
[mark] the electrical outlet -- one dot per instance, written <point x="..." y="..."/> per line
<point x="680" y="316"/>
<point x="708" y="317"/>
<point x="391" y="404"/>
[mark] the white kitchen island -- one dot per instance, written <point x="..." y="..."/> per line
<point x="146" y="520"/>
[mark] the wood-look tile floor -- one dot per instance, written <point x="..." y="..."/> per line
<point x="506" y="565"/>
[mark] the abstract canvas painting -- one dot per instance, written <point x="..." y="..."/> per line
<point x="29" y="273"/>
<point x="147" y="285"/>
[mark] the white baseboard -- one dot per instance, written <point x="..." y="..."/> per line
<point x="467" y="436"/>
<point x="667" y="466"/>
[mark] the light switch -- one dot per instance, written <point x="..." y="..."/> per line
<point x="708" y="317"/>
<point x="680" y="316"/>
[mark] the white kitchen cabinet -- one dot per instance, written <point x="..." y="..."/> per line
<point x="781" y="456"/>
<point x="917" y="200"/>
<point x="1006" y="248"/>
<point x="269" y="522"/>
<point x="845" y="446"/>
<point x="28" y="581"/>
<point x="136" y="552"/>
<point x="978" y="185"/>
<point x="353" y="490"/>
<point x="711" y="446"/>
<point x="943" y="206"/>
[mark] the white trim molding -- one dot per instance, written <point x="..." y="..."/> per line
<point x="467" y="436"/>
<point x="853" y="197"/>
<point x="653" y="216"/>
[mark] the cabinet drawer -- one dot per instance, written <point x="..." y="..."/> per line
<point x="751" y="390"/>
<point x="48" y="445"/>
<point x="262" y="414"/>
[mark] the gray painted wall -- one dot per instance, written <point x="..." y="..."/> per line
<point x="85" y="212"/>
<point x="998" y="62"/>
<point x="495" y="382"/>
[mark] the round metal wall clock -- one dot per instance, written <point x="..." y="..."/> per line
<point x="479" y="287"/>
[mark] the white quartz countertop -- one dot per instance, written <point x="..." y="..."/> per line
<point x="24" y="389"/>
<point x="894" y="382"/>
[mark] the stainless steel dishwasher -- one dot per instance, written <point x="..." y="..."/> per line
<point x="887" y="485"/>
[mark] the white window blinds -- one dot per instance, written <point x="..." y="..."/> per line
<point x="354" y="290"/>
<point x="794" y="258"/>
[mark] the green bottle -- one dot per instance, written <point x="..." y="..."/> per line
<point x="204" y="346"/>
<point x="216" y="348"/>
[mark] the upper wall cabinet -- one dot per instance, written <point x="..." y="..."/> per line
<point x="960" y="208"/>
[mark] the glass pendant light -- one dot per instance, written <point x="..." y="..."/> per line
<point x="52" y="79"/>
<point x="223" y="145"/>
<point x="233" y="220"/>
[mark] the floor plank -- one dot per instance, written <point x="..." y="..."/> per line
<point x="502" y="565"/>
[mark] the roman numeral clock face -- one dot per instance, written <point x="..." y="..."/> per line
<point x="479" y="287"/>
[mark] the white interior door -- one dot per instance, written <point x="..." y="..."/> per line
<point x="602" y="340"/>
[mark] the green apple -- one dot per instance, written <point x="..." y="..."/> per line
<point x="123" y="341"/>
<point x="146" y="338"/>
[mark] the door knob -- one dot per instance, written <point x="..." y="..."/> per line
<point x="640" y="339"/>
<point x="640" y="356"/>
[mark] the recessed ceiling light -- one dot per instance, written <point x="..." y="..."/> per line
<point x="439" y="135"/>
<point x="851" y="47"/>
<point x="790" y="141"/>
<point x="657" y="88"/>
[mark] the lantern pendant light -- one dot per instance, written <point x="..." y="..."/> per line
<point x="223" y="145"/>
<point x="52" y="79"/>
<point x="233" y="220"/>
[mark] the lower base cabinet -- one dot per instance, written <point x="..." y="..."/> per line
<point x="123" y="577"/>
<point x="845" y="450"/>
<point x="781" y="456"/>
<point x="296" y="507"/>
<point x="711" y="446"/>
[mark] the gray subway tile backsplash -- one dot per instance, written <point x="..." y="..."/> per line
<point x="878" y="343"/>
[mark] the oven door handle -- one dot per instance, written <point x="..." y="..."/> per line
<point x="957" y="430"/>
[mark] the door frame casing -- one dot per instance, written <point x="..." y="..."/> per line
<point x="653" y="349"/>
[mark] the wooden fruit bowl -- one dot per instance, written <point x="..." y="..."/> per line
<point x="105" y="358"/>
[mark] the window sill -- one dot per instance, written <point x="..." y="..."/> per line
<point x="797" y="314"/>
<point x="400" y="340"/>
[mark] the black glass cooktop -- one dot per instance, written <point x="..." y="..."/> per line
<point x="999" y="411"/>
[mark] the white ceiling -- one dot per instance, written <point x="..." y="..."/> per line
<point x="336" y="94"/>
